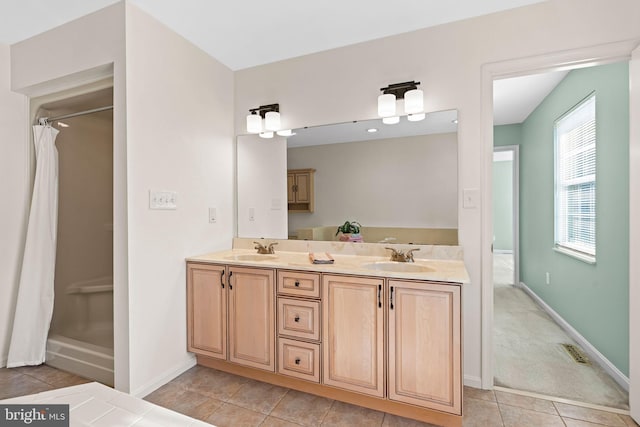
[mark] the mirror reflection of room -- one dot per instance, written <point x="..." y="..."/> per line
<point x="397" y="182"/>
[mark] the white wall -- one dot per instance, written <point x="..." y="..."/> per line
<point x="85" y="50"/>
<point x="180" y="138"/>
<point x="262" y="186"/>
<point x="397" y="182"/>
<point x="14" y="181"/>
<point x="342" y="84"/>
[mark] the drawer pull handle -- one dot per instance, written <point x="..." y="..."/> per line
<point x="296" y="284"/>
<point x="296" y="319"/>
<point x="297" y="361"/>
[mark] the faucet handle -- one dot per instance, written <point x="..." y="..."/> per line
<point x="270" y="247"/>
<point x="409" y="254"/>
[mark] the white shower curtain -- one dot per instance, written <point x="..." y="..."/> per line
<point x="34" y="306"/>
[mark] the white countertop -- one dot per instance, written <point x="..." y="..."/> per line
<point x="441" y="270"/>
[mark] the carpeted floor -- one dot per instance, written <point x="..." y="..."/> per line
<point x="529" y="356"/>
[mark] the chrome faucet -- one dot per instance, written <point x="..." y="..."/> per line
<point x="265" y="249"/>
<point x="402" y="256"/>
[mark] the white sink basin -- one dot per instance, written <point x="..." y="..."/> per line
<point x="402" y="267"/>
<point x="251" y="257"/>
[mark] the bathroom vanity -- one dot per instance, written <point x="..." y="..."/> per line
<point x="363" y="330"/>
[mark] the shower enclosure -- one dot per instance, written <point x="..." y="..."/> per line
<point x="81" y="333"/>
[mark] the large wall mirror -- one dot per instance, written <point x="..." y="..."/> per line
<point x="400" y="182"/>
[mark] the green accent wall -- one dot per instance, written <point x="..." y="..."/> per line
<point x="503" y="205"/>
<point x="507" y="135"/>
<point x="593" y="298"/>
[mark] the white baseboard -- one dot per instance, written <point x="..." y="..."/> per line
<point x="475" y="382"/>
<point x="503" y="251"/>
<point x="169" y="375"/>
<point x="594" y="354"/>
<point x="3" y="362"/>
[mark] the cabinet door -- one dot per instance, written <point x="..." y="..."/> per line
<point x="252" y="317"/>
<point x="353" y="334"/>
<point x="291" y="188"/>
<point x="424" y="345"/>
<point x="303" y="187"/>
<point x="207" y="310"/>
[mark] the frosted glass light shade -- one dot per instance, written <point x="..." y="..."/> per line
<point x="254" y="123"/>
<point x="266" y="135"/>
<point x="387" y="105"/>
<point x="272" y="121"/>
<point x="416" y="117"/>
<point x="391" y="120"/>
<point x="413" y="101"/>
<point x="285" y="132"/>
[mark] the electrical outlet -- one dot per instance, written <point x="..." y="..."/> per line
<point x="548" y="278"/>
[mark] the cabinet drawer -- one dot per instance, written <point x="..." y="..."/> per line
<point x="299" y="359"/>
<point x="301" y="284"/>
<point x="299" y="318"/>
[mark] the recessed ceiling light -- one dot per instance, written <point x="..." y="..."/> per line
<point x="372" y="130"/>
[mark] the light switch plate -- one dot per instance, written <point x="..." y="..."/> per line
<point x="470" y="198"/>
<point x="163" y="200"/>
<point x="213" y="214"/>
<point x="252" y="214"/>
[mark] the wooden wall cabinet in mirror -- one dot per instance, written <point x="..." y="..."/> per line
<point x="300" y="195"/>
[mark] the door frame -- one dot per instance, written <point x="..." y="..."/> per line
<point x="556" y="61"/>
<point x="515" y="212"/>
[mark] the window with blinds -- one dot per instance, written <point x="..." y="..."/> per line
<point x="575" y="179"/>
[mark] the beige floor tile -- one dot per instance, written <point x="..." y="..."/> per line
<point x="22" y="385"/>
<point x="277" y="422"/>
<point x="526" y="402"/>
<point x="302" y="408"/>
<point x="346" y="415"/>
<point x="628" y="421"/>
<point x="592" y="415"/>
<point x="258" y="396"/>
<point x="229" y="415"/>
<point x="570" y="422"/>
<point x="185" y="401"/>
<point x="396" y="421"/>
<point x="210" y="382"/>
<point x="7" y="375"/>
<point x="513" y="416"/>
<point x="481" y="413"/>
<point x="477" y="393"/>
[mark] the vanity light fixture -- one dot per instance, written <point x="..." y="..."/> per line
<point x="416" y="117"/>
<point x="271" y="115"/>
<point x="266" y="135"/>
<point x="413" y="102"/>
<point x="285" y="132"/>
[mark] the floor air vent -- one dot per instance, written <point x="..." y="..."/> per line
<point x="576" y="353"/>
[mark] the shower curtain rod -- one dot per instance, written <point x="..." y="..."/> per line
<point x="44" y="120"/>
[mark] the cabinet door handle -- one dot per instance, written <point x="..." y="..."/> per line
<point x="297" y="361"/>
<point x="296" y="319"/>
<point x="230" y="285"/>
<point x="391" y="298"/>
<point x="296" y="284"/>
<point x="222" y="279"/>
<point x="379" y="299"/>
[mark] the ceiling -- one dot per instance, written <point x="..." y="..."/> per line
<point x="243" y="34"/>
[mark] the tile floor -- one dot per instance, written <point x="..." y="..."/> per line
<point x="227" y="400"/>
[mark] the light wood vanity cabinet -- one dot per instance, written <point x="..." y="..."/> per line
<point x="389" y="344"/>
<point x="251" y="317"/>
<point x="353" y="333"/>
<point x="424" y="345"/>
<point x="207" y="310"/>
<point x="300" y="191"/>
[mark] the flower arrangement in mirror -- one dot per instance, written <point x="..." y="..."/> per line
<point x="349" y="232"/>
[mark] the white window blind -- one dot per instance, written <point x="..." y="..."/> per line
<point x="575" y="193"/>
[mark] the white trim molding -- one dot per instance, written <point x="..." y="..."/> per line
<point x="594" y="354"/>
<point x="169" y="375"/>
